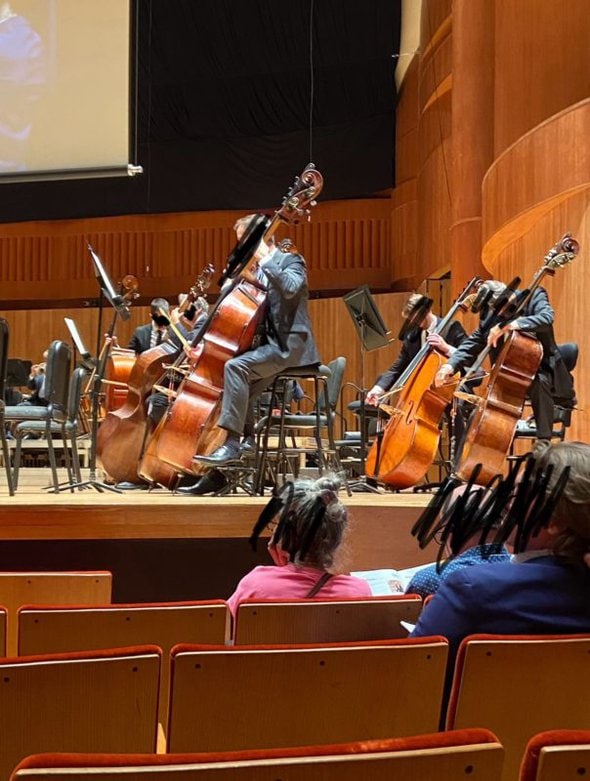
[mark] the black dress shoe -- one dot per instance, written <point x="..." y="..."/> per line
<point x="127" y="486"/>
<point x="248" y="447"/>
<point x="223" y="455"/>
<point x="209" y="483"/>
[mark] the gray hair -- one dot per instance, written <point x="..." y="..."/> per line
<point x="312" y="521"/>
<point x="572" y="510"/>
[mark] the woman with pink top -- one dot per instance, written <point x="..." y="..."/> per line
<point x="308" y="522"/>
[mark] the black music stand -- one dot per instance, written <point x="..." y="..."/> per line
<point x="372" y="335"/>
<point x="120" y="310"/>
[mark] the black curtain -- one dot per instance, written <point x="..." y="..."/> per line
<point x="224" y="108"/>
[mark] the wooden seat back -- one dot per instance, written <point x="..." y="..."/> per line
<point x="50" y="588"/>
<point x="441" y="757"/>
<point x="518" y="686"/>
<point x="324" y="621"/>
<point x="44" y="630"/>
<point x="225" y="699"/>
<point x="3" y="628"/>
<point x="100" y="701"/>
<point x="557" y="755"/>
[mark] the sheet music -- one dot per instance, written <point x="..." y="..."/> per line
<point x="76" y="338"/>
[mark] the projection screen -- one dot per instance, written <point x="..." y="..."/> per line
<point x="64" y="88"/>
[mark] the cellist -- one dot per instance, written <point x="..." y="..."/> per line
<point x="421" y="322"/>
<point x="288" y="342"/>
<point x="552" y="381"/>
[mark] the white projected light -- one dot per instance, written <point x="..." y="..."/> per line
<point x="64" y="88"/>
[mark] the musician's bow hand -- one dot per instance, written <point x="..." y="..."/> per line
<point x="373" y="395"/>
<point x="443" y="375"/>
<point x="439" y="344"/>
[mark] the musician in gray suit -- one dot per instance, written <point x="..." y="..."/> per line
<point x="289" y="343"/>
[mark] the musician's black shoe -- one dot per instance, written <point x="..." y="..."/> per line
<point x="210" y="483"/>
<point x="248" y="447"/>
<point x="127" y="486"/>
<point x="223" y="455"/>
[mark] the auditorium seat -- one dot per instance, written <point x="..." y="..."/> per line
<point x="520" y="685"/>
<point x="324" y="621"/>
<point x="50" y="588"/>
<point x="242" y="697"/>
<point x="44" y="630"/>
<point x="99" y="701"/>
<point x="557" y="755"/>
<point x="3" y="623"/>
<point x="445" y="756"/>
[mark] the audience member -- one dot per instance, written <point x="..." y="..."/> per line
<point x="309" y="524"/>
<point x="544" y="507"/>
<point x="464" y="551"/>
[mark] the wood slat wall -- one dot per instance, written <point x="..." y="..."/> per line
<point x="347" y="243"/>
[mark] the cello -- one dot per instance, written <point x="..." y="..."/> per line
<point x="402" y="453"/>
<point x="122" y="433"/>
<point x="190" y="425"/>
<point x="491" y="428"/>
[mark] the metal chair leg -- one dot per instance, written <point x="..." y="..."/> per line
<point x="6" y="456"/>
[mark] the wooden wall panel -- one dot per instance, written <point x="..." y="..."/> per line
<point x="434" y="196"/>
<point x="558" y="153"/>
<point x="525" y="215"/>
<point x="541" y="64"/>
<point x="346" y="243"/>
<point x="406" y="125"/>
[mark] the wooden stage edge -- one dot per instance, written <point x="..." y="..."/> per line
<point x="379" y="529"/>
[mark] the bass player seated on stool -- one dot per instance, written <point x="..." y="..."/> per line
<point x="552" y="381"/>
<point x="417" y="306"/>
<point x="289" y="343"/>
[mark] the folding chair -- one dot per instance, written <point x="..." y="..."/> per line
<point x="50" y="588"/>
<point x="557" y="755"/>
<point x="324" y="621"/>
<point x="520" y="685"/>
<point x="246" y="697"/>
<point x="99" y="701"/>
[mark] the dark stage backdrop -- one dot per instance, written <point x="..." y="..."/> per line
<point x="223" y="110"/>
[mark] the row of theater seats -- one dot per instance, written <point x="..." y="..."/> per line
<point x="62" y="695"/>
<point x="269" y="697"/>
<point x="560" y="755"/>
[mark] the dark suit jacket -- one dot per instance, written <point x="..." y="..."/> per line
<point x="544" y="595"/>
<point x="537" y="319"/>
<point x="411" y="346"/>
<point x="140" y="341"/>
<point x="288" y="318"/>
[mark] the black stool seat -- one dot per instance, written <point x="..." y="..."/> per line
<point x="275" y="461"/>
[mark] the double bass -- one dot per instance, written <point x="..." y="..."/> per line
<point x="190" y="425"/>
<point x="491" y="428"/>
<point x="403" y="452"/>
<point x="122" y="433"/>
<point x="118" y="364"/>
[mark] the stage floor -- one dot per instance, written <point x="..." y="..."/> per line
<point x="92" y="530"/>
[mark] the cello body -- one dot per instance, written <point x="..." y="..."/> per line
<point x="491" y="428"/>
<point x="410" y="441"/>
<point x="189" y="427"/>
<point x="120" y="363"/>
<point x="122" y="432"/>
